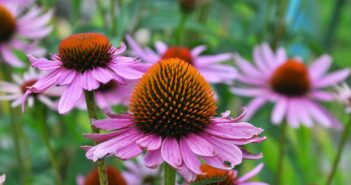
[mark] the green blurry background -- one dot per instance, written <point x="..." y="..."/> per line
<point x="308" y="28"/>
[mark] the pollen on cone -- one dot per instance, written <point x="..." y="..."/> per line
<point x="172" y="100"/>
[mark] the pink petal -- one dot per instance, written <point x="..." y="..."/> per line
<point x="10" y="58"/>
<point x="332" y="78"/>
<point x="112" y="124"/>
<point x="102" y="75"/>
<point x="71" y="96"/>
<point x="200" y="146"/>
<point x="170" y="152"/>
<point x="251" y="174"/>
<point x="153" y="158"/>
<point x="234" y="131"/>
<point x="198" y="50"/>
<point x="280" y="109"/>
<point x="212" y="59"/>
<point x="150" y="142"/>
<point x="43" y="63"/>
<point x="320" y="66"/>
<point x="88" y="81"/>
<point x="189" y="158"/>
<point x="66" y="76"/>
<point x="161" y="47"/>
<point x="126" y="72"/>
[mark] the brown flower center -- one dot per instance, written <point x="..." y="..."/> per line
<point x="27" y="84"/>
<point x="172" y="99"/>
<point x="7" y="24"/>
<point x="291" y="79"/>
<point x="114" y="177"/>
<point x="84" y="51"/>
<point x="178" y="52"/>
<point x="222" y="177"/>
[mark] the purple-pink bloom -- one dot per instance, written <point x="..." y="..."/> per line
<point x="21" y="30"/>
<point x="295" y="88"/>
<point x="171" y="117"/>
<point x="85" y="61"/>
<point x="14" y="91"/>
<point x="208" y="65"/>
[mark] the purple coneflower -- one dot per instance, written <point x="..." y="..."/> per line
<point x="20" y="31"/>
<point x="15" y="91"/>
<point x="230" y="177"/>
<point x="171" y="117"/>
<point x="207" y="65"/>
<point x="295" y="88"/>
<point x="84" y="61"/>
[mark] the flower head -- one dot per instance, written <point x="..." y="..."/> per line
<point x="20" y="31"/>
<point x="228" y="177"/>
<point x="114" y="177"/>
<point x="85" y="61"/>
<point x="171" y="116"/>
<point x="207" y="65"/>
<point x="15" y="91"/>
<point x="295" y="88"/>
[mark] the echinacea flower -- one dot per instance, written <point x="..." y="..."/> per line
<point x="84" y="61"/>
<point x="295" y="88"/>
<point x="343" y="95"/>
<point x="208" y="65"/>
<point x="20" y="31"/>
<point x="229" y="177"/>
<point x="114" y="177"/>
<point x="137" y="174"/>
<point x="111" y="93"/>
<point x="171" y="117"/>
<point x="15" y="91"/>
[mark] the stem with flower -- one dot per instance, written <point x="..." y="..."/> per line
<point x="341" y="147"/>
<point x="45" y="131"/>
<point x="282" y="141"/>
<point x="170" y="174"/>
<point x="92" y="112"/>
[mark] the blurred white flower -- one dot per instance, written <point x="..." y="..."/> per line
<point x="343" y="95"/>
<point x="2" y="179"/>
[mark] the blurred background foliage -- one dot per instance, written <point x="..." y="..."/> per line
<point x="309" y="28"/>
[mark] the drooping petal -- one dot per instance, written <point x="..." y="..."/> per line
<point x="89" y="82"/>
<point x="71" y="95"/>
<point x="150" y="142"/>
<point x="251" y="174"/>
<point x="200" y="146"/>
<point x="170" y="152"/>
<point x="153" y="158"/>
<point x="189" y="158"/>
<point x="112" y="124"/>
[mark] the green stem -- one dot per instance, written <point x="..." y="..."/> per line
<point x="46" y="137"/>
<point x="113" y="18"/>
<point x="341" y="146"/>
<point x="102" y="12"/>
<point x="280" y="23"/>
<point x="17" y="132"/>
<point x="92" y="111"/>
<point x="282" y="141"/>
<point x="169" y="174"/>
<point x="333" y="24"/>
<point x="180" y="28"/>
